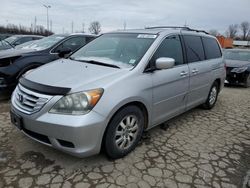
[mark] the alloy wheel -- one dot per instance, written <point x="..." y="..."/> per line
<point x="126" y="132"/>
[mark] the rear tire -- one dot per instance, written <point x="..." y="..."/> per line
<point x="247" y="82"/>
<point x="212" y="96"/>
<point x="124" y="132"/>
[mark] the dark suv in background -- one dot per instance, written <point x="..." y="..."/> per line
<point x="20" y="39"/>
<point x="16" y="62"/>
<point x="238" y="66"/>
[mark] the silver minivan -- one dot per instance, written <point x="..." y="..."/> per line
<point x="117" y="86"/>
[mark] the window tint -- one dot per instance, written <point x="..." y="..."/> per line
<point x="237" y="55"/>
<point x="89" y="39"/>
<point x="23" y="40"/>
<point x="212" y="49"/>
<point x="72" y="43"/>
<point x="170" y="47"/>
<point x="194" y="48"/>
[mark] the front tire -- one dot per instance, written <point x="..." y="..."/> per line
<point x="124" y="132"/>
<point x="247" y="82"/>
<point x="212" y="96"/>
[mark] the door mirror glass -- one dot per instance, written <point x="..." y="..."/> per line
<point x="164" y="63"/>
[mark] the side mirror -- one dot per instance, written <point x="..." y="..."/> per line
<point x="63" y="52"/>
<point x="164" y="63"/>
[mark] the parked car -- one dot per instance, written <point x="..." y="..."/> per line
<point x="117" y="86"/>
<point x="26" y="44"/>
<point x="238" y="66"/>
<point x="4" y="45"/>
<point x="16" y="62"/>
<point x="4" y="35"/>
<point x="15" y="40"/>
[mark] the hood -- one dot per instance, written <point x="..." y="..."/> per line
<point x="14" y="52"/>
<point x="76" y="75"/>
<point x="236" y="63"/>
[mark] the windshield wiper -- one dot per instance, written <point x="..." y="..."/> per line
<point x="96" y="63"/>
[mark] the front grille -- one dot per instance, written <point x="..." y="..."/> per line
<point x="28" y="101"/>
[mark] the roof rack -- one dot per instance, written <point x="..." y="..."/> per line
<point x="177" y="27"/>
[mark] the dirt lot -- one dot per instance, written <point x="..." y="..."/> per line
<point x="199" y="149"/>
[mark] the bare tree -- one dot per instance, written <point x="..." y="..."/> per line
<point x="20" y="29"/>
<point x="95" y="27"/>
<point x="245" y="28"/>
<point x="83" y="28"/>
<point x="232" y="30"/>
<point x="214" y="32"/>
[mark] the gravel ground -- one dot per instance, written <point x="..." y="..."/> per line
<point x="197" y="149"/>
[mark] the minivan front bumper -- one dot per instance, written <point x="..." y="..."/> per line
<point x="80" y="136"/>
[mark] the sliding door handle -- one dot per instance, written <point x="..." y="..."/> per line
<point x="183" y="73"/>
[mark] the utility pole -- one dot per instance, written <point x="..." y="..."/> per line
<point x="35" y="25"/>
<point x="83" y="27"/>
<point x="185" y="25"/>
<point x="47" y="7"/>
<point x="51" y="25"/>
<point x="72" y="27"/>
<point x="124" y="25"/>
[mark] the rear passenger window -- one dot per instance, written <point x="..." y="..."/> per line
<point x="194" y="48"/>
<point x="170" y="47"/>
<point x="212" y="49"/>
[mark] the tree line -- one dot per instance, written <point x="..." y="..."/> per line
<point x="20" y="29"/>
<point x="94" y="28"/>
<point x="236" y="31"/>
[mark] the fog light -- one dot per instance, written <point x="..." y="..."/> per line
<point x="2" y="81"/>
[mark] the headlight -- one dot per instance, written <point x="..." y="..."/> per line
<point x="239" y="70"/>
<point x="77" y="103"/>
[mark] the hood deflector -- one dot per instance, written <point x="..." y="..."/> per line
<point x="43" y="89"/>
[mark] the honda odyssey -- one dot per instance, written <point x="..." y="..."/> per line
<point x="117" y="86"/>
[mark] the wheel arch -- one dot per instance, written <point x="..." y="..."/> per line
<point x="28" y="67"/>
<point x="137" y="103"/>
<point x="218" y="80"/>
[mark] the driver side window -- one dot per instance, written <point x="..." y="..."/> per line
<point x="72" y="44"/>
<point x="170" y="47"/>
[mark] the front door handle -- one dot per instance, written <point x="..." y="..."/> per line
<point x="194" y="71"/>
<point x="183" y="73"/>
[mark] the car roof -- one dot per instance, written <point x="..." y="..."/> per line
<point x="238" y="50"/>
<point x="75" y="34"/>
<point x="83" y="34"/>
<point x="27" y="36"/>
<point x="165" y="31"/>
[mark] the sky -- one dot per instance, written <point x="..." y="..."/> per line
<point x="114" y="14"/>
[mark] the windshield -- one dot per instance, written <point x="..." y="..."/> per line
<point x="118" y="49"/>
<point x="237" y="55"/>
<point x="43" y="43"/>
<point x="11" y="39"/>
<point x="3" y="43"/>
<point x="20" y="46"/>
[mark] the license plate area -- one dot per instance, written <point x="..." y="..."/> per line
<point x="16" y="120"/>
